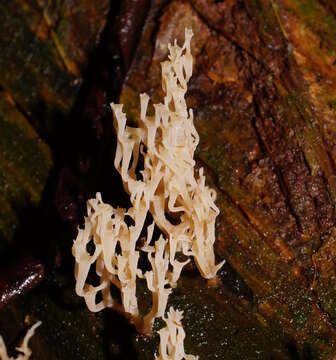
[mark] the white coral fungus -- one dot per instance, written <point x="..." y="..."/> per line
<point x="23" y="349"/>
<point x="172" y="338"/>
<point x="167" y="188"/>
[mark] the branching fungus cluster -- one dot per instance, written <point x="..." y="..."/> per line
<point x="167" y="188"/>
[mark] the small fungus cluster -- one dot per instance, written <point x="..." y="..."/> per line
<point x="24" y="350"/>
<point x="172" y="338"/>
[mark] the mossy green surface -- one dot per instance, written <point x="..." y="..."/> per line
<point x="25" y="162"/>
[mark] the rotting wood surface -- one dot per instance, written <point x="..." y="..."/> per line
<point x="264" y="100"/>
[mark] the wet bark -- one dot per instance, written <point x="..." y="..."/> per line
<point x="264" y="97"/>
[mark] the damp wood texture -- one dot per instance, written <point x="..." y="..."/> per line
<point x="263" y="92"/>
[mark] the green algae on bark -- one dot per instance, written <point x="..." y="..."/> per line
<point x="45" y="50"/>
<point x="25" y="162"/>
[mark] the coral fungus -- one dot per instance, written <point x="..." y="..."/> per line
<point x="166" y="187"/>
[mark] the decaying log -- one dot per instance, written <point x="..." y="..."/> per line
<point x="264" y="100"/>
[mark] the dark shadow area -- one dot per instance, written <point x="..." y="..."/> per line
<point x="118" y="336"/>
<point x="307" y="353"/>
<point x="235" y="283"/>
<point x="295" y="354"/>
<point x="293" y="351"/>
